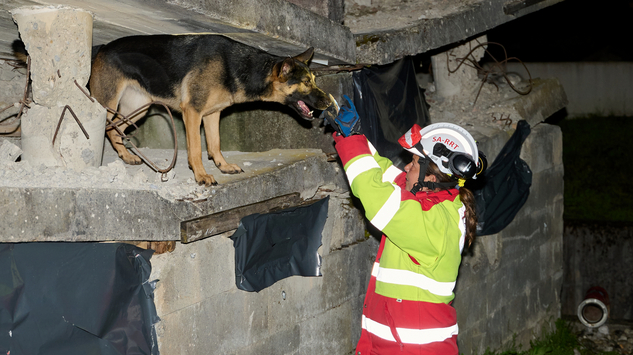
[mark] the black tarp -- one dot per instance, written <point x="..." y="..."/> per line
<point x="76" y="298"/>
<point x="389" y="101"/>
<point x="272" y="246"/>
<point x="504" y="186"/>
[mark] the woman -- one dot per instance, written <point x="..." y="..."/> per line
<point x="426" y="218"/>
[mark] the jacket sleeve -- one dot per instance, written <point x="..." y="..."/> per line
<point x="420" y="233"/>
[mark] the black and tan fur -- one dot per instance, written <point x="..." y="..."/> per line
<point x="198" y="75"/>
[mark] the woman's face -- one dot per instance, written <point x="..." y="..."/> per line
<point x="413" y="173"/>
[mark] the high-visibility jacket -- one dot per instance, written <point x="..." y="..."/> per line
<point x="407" y="307"/>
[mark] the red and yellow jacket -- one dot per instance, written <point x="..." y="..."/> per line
<point x="407" y="306"/>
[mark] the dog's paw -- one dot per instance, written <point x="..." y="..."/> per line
<point x="230" y="168"/>
<point x="206" y="180"/>
<point x="131" y="159"/>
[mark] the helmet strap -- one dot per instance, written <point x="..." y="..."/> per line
<point x="434" y="185"/>
<point x="420" y="184"/>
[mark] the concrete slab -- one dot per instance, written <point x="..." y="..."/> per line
<point x="123" y="202"/>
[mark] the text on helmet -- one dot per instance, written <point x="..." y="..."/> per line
<point x="449" y="143"/>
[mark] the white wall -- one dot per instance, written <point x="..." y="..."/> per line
<point x="604" y="88"/>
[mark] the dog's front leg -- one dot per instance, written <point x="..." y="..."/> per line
<point x="192" y="120"/>
<point x="119" y="146"/>
<point x="212" y="133"/>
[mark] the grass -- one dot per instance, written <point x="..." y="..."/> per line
<point x="595" y="155"/>
<point x="561" y="341"/>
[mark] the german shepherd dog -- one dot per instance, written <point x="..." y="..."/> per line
<point x="199" y="75"/>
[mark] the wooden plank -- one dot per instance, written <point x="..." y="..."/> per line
<point x="220" y="222"/>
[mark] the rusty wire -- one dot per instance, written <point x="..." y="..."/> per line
<point x="82" y="90"/>
<point x="469" y="61"/>
<point x="126" y="119"/>
<point x="25" y="100"/>
<point x="6" y="108"/>
<point x="67" y="107"/>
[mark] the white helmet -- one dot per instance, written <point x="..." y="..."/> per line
<point x="449" y="146"/>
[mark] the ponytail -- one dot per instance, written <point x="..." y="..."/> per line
<point x="465" y="196"/>
<point x="468" y="199"/>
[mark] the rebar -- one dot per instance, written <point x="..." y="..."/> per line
<point x="60" y="123"/>
<point x="115" y="126"/>
<point x="486" y="72"/>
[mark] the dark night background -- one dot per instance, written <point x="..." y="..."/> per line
<point x="571" y="31"/>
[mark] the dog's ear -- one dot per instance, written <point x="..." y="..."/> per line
<point x="306" y="56"/>
<point x="283" y="69"/>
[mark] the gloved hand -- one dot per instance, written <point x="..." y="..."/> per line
<point x="347" y="122"/>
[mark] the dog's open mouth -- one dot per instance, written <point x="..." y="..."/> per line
<point x="304" y="110"/>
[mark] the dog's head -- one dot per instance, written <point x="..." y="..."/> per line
<point x="294" y="84"/>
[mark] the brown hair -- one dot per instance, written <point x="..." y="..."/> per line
<point x="467" y="198"/>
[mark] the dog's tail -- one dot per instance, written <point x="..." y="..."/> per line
<point x="19" y="51"/>
<point x="95" y="50"/>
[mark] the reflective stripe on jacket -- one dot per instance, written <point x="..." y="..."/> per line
<point x="396" y="326"/>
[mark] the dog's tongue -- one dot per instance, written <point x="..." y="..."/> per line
<point x="304" y="108"/>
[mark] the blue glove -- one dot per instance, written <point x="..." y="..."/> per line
<point x="347" y="120"/>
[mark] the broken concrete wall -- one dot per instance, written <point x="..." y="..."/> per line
<point x="510" y="284"/>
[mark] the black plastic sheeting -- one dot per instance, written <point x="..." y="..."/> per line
<point x="272" y="246"/>
<point x="389" y="101"/>
<point x="504" y="186"/>
<point x="76" y="298"/>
